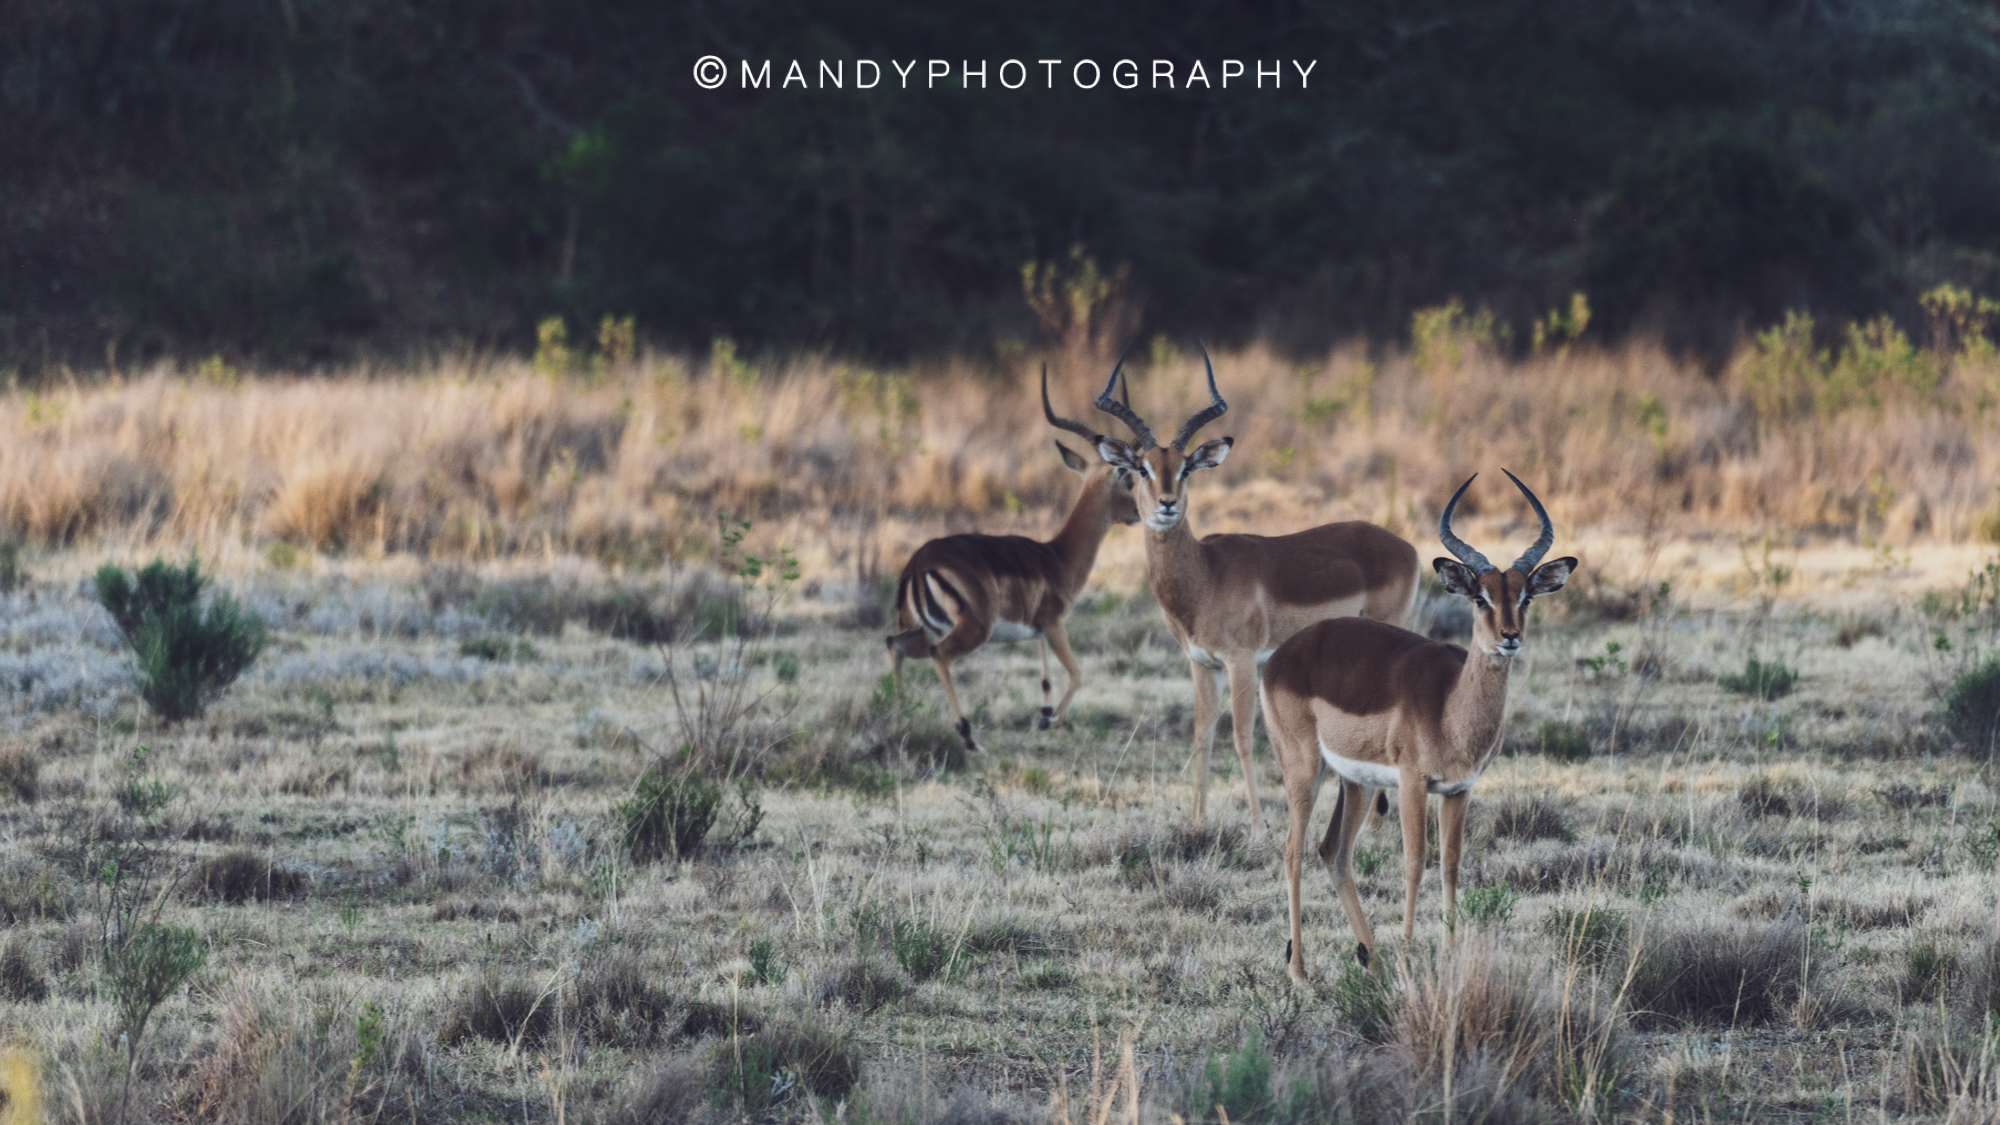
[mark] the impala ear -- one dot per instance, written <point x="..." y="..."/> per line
<point x="1209" y="455"/>
<point x="1456" y="577"/>
<point x="1072" y="458"/>
<point x="1117" y="453"/>
<point x="1550" y="576"/>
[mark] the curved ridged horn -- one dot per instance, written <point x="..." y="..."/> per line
<point x="1123" y="411"/>
<point x="1214" y="410"/>
<point x="1061" y="423"/>
<point x="1526" y="563"/>
<point x="1453" y="543"/>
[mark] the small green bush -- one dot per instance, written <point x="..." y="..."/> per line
<point x="497" y="648"/>
<point x="1762" y="679"/>
<point x="815" y="1057"/>
<point x="1971" y="707"/>
<point x="765" y="968"/>
<point x="669" y="815"/>
<point x="1594" y="934"/>
<point x="1929" y="968"/>
<point x="922" y="949"/>
<point x="1240" y="1083"/>
<point x="150" y="968"/>
<point x="1488" y="906"/>
<point x="12" y="576"/>
<point x="1364" y="1001"/>
<point x="187" y="656"/>
<point x="1562" y="742"/>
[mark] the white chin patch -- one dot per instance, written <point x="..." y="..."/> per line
<point x="1162" y="523"/>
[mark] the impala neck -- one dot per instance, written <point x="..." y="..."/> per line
<point x="1175" y="567"/>
<point x="1083" y="532"/>
<point x="1477" y="704"/>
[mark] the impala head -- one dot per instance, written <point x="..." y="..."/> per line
<point x="1500" y="595"/>
<point x="1122" y="508"/>
<point x="1159" y="473"/>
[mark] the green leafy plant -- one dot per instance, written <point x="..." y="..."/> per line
<point x="672" y="813"/>
<point x="1488" y="906"/>
<point x="923" y="949"/>
<point x="149" y="968"/>
<point x="765" y="968"/>
<point x="1772" y="679"/>
<point x="1364" y="1000"/>
<point x="187" y="655"/>
<point x="1970" y="709"/>
<point x="1238" y="1082"/>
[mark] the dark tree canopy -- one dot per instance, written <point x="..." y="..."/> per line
<point x="305" y="180"/>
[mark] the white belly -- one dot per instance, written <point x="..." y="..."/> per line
<point x="1004" y="631"/>
<point x="1374" y="775"/>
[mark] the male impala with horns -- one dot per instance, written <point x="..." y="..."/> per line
<point x="1232" y="599"/>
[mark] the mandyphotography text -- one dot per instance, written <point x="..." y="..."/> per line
<point x="712" y="72"/>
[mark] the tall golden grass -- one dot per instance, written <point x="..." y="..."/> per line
<point x="485" y="460"/>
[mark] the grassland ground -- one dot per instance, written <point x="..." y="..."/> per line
<point x="399" y="839"/>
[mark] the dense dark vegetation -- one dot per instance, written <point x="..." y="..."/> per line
<point x="304" y="181"/>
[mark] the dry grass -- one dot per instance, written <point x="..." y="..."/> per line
<point x="478" y="460"/>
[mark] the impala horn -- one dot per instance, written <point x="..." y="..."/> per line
<point x="1526" y="563"/>
<point x="1123" y="410"/>
<point x="1214" y="410"/>
<point x="1458" y="546"/>
<point x="1061" y="423"/>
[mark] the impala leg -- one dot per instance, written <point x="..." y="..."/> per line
<point x="1059" y="641"/>
<point x="1350" y="812"/>
<point x="963" y="639"/>
<point x="1206" y="689"/>
<point x="1299" y="795"/>
<point x="1451" y="830"/>
<point x="1048" y="713"/>
<point x="1411" y="806"/>
<point x="1243" y="718"/>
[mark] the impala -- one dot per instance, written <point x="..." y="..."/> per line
<point x="961" y="591"/>
<point x="1232" y="599"/>
<point x="1384" y="708"/>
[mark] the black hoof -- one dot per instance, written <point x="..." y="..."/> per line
<point x="1288" y="951"/>
<point x="1361" y="954"/>
<point x="965" y="732"/>
<point x="1047" y="720"/>
<point x="1381" y="804"/>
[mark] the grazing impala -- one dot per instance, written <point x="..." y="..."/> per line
<point x="1385" y="708"/>
<point x="961" y="591"/>
<point x="1231" y="599"/>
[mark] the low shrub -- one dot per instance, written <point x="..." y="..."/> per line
<point x="187" y="655"/>
<point x="1724" y="975"/>
<point x="1239" y="1082"/>
<point x="618" y="1003"/>
<point x="750" y="1071"/>
<point x="241" y="875"/>
<point x="1970" y="709"/>
<point x="1364" y="999"/>
<point x="1530" y="818"/>
<point x="1929" y="968"/>
<point x="498" y="1010"/>
<point x="669" y="814"/>
<point x="1488" y="906"/>
<point x="20" y="773"/>
<point x="1762" y="679"/>
<point x="861" y="986"/>
<point x="1594" y="934"/>
<point x="498" y="649"/>
<point x="765" y="968"/>
<point x="1561" y="742"/>
<point x="21" y="980"/>
<point x="923" y="950"/>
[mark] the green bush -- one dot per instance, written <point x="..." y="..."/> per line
<point x="187" y="655"/>
<point x="12" y="576"/>
<point x="1488" y="906"/>
<point x="1240" y="1083"/>
<point x="765" y="968"/>
<point x="669" y="815"/>
<point x="1765" y="680"/>
<point x="1971" y="707"/>
<point x="1561" y="742"/>
<point x="922" y="949"/>
<point x="150" y="968"/>
<point x="1363" y="1000"/>
<point x="1593" y="934"/>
